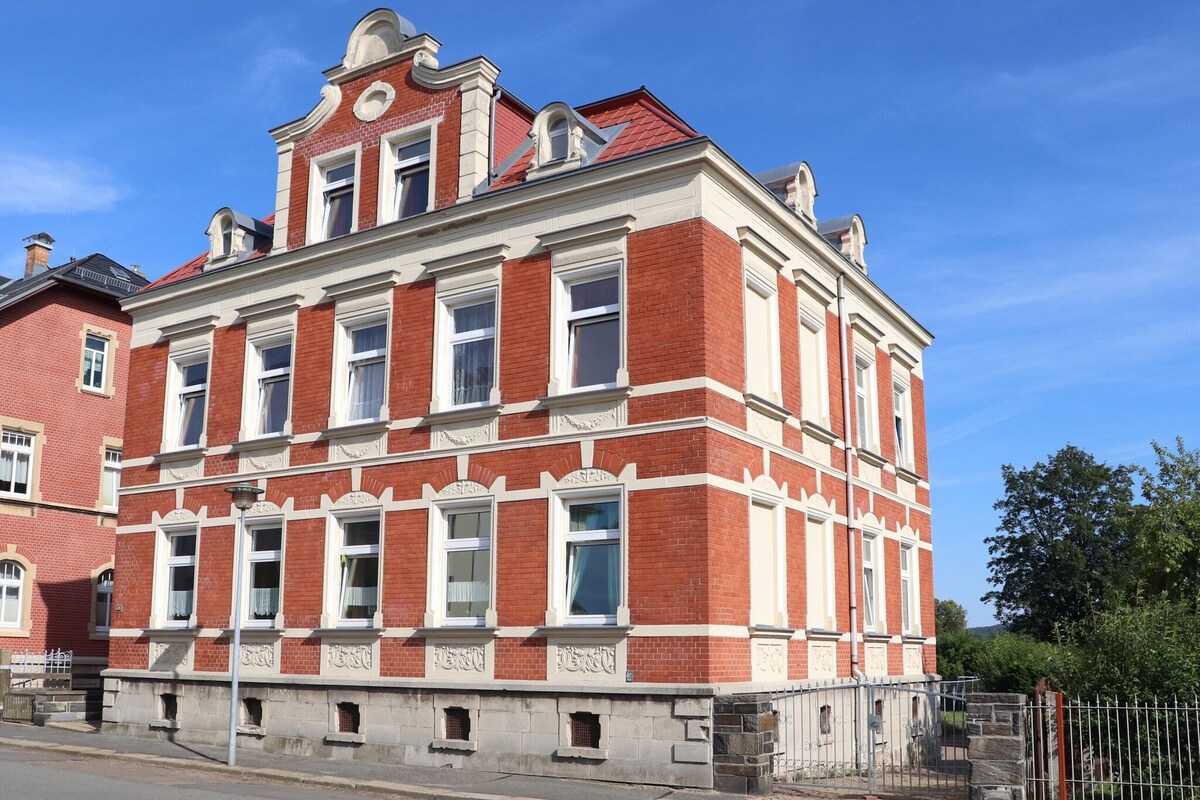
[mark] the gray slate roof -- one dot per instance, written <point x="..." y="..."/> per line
<point x="96" y="273"/>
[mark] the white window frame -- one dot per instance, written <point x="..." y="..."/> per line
<point x="343" y="384"/>
<point x="878" y="585"/>
<point x="249" y="558"/>
<point x="902" y="423"/>
<point x="566" y="320"/>
<point x="829" y="580"/>
<point x="866" y="408"/>
<point x="319" y="168"/>
<point x="448" y="338"/>
<point x="335" y="550"/>
<point x="179" y="393"/>
<point x="13" y="445"/>
<point x="411" y="165"/>
<point x="102" y="596"/>
<point x="559" y="612"/>
<point x="259" y="377"/>
<point x="111" y="471"/>
<point x="776" y="615"/>
<point x="389" y="166"/>
<point x="165" y="564"/>
<point x="440" y="548"/>
<point x="88" y="357"/>
<point x="755" y="283"/>
<point x="814" y="378"/>
<point x="9" y="581"/>
<point x="910" y="597"/>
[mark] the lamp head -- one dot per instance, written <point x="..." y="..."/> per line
<point x="244" y="494"/>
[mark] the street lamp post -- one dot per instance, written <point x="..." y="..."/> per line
<point x="244" y="495"/>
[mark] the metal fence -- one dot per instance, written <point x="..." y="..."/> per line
<point x="50" y="669"/>
<point x="872" y="737"/>
<point x="1098" y="748"/>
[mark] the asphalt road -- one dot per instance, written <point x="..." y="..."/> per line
<point x="32" y="775"/>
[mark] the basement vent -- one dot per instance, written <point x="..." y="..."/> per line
<point x="347" y="717"/>
<point x="458" y="724"/>
<point x="170" y="707"/>
<point x="585" y="730"/>
<point x="252" y="712"/>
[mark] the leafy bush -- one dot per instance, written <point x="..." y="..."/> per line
<point x="1152" y="650"/>
<point x="1010" y="662"/>
<point x="955" y="652"/>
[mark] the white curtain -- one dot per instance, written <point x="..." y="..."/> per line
<point x="366" y="390"/>
<point x="179" y="604"/>
<point x="466" y="591"/>
<point x="473" y="371"/>
<point x="359" y="596"/>
<point x="264" y="602"/>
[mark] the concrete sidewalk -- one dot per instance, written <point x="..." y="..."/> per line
<point x="398" y="780"/>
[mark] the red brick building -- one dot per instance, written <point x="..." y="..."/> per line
<point x="552" y="411"/>
<point x="62" y="413"/>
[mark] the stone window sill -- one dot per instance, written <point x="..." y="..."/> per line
<point x="818" y="432"/>
<point x="766" y="407"/>
<point x="345" y="738"/>
<point x="165" y="725"/>
<point x="448" y="415"/>
<point x="455" y="744"/>
<point x="577" y="398"/>
<point x="873" y="459"/>
<point x="592" y="753"/>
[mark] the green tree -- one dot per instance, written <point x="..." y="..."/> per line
<point x="1167" y="527"/>
<point x="1062" y="547"/>
<point x="950" y="616"/>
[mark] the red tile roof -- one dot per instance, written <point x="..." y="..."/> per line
<point x="650" y="125"/>
<point x="196" y="265"/>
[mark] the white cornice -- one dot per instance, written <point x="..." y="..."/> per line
<point x="490" y="256"/>
<point x="426" y="72"/>
<point x="653" y="166"/>
<point x="365" y="285"/>
<point x="814" y="288"/>
<point x="277" y="305"/>
<point x="202" y="324"/>
<point x="331" y="98"/>
<point x="755" y="242"/>
<point x="409" y="48"/>
<point x="611" y="228"/>
<point x="902" y="356"/>
<point x="864" y="328"/>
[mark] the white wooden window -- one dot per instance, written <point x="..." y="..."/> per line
<point x="866" y="416"/>
<point x="872" y="580"/>
<point x="909" y="600"/>
<point x="558" y="132"/>
<point x="16" y="463"/>
<point x="766" y="554"/>
<point x="178" y="599"/>
<point x="95" y="362"/>
<point x="337" y="198"/>
<point x="814" y="371"/>
<point x="191" y="400"/>
<point x="366" y="370"/>
<point x="103" y="606"/>
<point x="411" y="191"/>
<point x="110" y="479"/>
<point x="12" y="583"/>
<point x="902" y="422"/>
<point x="593" y="560"/>
<point x="264" y="562"/>
<point x="821" y="609"/>
<point x="594" y="331"/>
<point x="762" y="339"/>
<point x="358" y="566"/>
<point x="468" y="565"/>
<point x="273" y="386"/>
<point x="472" y="324"/>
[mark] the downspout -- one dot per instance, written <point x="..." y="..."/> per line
<point x="492" y="136"/>
<point x="851" y="538"/>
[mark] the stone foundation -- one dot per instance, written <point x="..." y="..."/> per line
<point x="662" y="738"/>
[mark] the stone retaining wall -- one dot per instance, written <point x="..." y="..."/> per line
<point x="996" y="746"/>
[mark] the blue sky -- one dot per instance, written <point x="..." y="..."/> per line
<point x="1029" y="173"/>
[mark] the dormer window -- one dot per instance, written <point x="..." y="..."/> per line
<point x="338" y="199"/>
<point x="233" y="235"/>
<point x="564" y="139"/>
<point x="558" y="132"/>
<point x="412" y="179"/>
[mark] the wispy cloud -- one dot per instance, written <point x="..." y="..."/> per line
<point x="1156" y="72"/>
<point x="272" y="67"/>
<point x="35" y="184"/>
